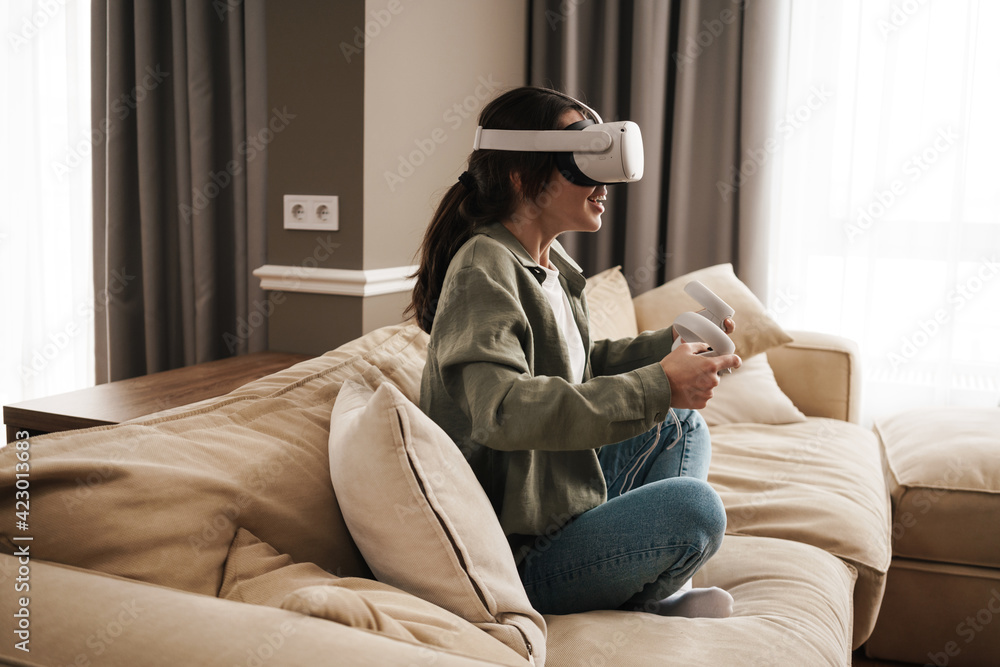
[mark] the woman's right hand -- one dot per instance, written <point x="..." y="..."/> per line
<point x="692" y="376"/>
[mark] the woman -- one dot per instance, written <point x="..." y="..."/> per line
<point x="590" y="451"/>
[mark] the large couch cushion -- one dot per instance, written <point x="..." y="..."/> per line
<point x="818" y="482"/>
<point x="755" y="331"/>
<point x="420" y="517"/>
<point x="257" y="574"/>
<point x="943" y="470"/>
<point x="160" y="499"/>
<point x="750" y="394"/>
<point x="792" y="608"/>
<point x="84" y="618"/>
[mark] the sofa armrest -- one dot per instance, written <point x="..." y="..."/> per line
<point x="81" y="617"/>
<point x="820" y="373"/>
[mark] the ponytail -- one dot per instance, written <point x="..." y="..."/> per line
<point x="448" y="231"/>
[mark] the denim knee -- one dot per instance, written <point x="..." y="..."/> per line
<point x="705" y="513"/>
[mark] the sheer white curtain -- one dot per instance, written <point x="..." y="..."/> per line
<point x="47" y="341"/>
<point x="888" y="224"/>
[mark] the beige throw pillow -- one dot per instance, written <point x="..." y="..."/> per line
<point x="612" y="315"/>
<point x="755" y="331"/>
<point x="256" y="573"/>
<point x="750" y="394"/>
<point x="419" y="516"/>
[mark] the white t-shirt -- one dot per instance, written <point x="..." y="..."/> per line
<point x="567" y="325"/>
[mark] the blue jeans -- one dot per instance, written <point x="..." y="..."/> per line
<point x="660" y="524"/>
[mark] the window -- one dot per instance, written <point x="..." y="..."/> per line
<point x="45" y="187"/>
<point x="888" y="224"/>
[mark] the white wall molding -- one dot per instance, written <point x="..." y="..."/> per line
<point x="343" y="282"/>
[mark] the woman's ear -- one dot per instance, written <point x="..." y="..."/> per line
<point x="515" y="181"/>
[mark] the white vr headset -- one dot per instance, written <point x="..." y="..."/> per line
<point x="601" y="154"/>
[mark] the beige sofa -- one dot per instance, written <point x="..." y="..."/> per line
<point x="212" y="534"/>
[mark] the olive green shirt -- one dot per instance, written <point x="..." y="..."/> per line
<point x="497" y="381"/>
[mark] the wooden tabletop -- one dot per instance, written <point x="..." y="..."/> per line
<point x="115" y="402"/>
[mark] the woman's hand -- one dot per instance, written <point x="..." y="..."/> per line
<point x="692" y="376"/>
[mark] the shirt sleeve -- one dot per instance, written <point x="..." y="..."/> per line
<point x="609" y="357"/>
<point x="479" y="342"/>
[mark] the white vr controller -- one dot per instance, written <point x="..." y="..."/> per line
<point x="707" y="326"/>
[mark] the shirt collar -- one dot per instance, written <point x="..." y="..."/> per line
<point x="557" y="255"/>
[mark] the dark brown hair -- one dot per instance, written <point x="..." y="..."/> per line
<point x="490" y="195"/>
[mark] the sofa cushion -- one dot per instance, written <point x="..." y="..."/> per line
<point x="160" y="499"/>
<point x="420" y="517"/>
<point x="943" y="470"/>
<point x="817" y="482"/>
<point x="609" y="300"/>
<point x="750" y="394"/>
<point x="755" y="331"/>
<point x="80" y="617"/>
<point x="257" y="574"/>
<point x="792" y="607"/>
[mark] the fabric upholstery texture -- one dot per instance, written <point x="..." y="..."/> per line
<point x="820" y="373"/>
<point x="160" y="499"/>
<point x="816" y="482"/>
<point x="609" y="300"/>
<point x="942" y="597"/>
<point x="940" y="614"/>
<point x="81" y="617"/>
<point x="257" y="574"/>
<point x="751" y="395"/>
<point x="943" y="469"/>
<point x="755" y="331"/>
<point x="792" y="608"/>
<point x="420" y="517"/>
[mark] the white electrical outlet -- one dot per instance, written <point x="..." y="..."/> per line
<point x="311" y="212"/>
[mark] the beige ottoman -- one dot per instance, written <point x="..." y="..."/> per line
<point x="942" y="596"/>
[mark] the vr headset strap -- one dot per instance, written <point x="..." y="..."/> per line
<point x="549" y="141"/>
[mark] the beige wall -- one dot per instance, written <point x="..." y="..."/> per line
<point x="411" y="92"/>
<point x="427" y="75"/>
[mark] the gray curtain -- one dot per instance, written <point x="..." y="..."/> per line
<point x="697" y="76"/>
<point x="179" y="105"/>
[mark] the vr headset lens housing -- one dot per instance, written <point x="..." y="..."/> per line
<point x="622" y="162"/>
<point x="587" y="152"/>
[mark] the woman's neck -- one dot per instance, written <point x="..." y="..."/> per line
<point x="534" y="240"/>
